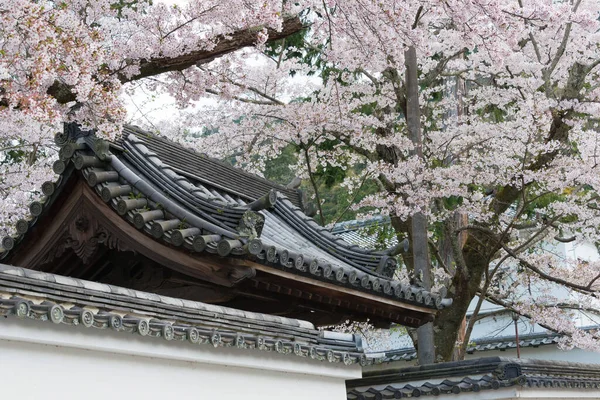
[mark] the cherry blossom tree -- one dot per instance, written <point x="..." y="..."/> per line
<point x="509" y="94"/>
<point x="73" y="60"/>
<point x="509" y="103"/>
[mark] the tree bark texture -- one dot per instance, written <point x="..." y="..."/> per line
<point x="422" y="267"/>
<point x="156" y="66"/>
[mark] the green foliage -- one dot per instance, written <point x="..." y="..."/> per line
<point x="298" y="48"/>
<point x="18" y="152"/>
<point x="541" y="203"/>
<point x="492" y="113"/>
<point x="452" y="202"/>
<point x="383" y="232"/>
<point x="121" y="5"/>
<point x="335" y="198"/>
<point x="14" y="156"/>
<point x="279" y="169"/>
<point x="330" y="175"/>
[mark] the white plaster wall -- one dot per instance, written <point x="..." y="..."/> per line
<point x="40" y="360"/>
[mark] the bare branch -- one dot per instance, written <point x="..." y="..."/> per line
<point x="436" y="253"/>
<point x="256" y="91"/>
<point x="314" y="185"/>
<point x="188" y="22"/>
<point x="351" y="202"/>
<point x="548" y="277"/>
<point x="242" y="99"/>
<point x="561" y="49"/>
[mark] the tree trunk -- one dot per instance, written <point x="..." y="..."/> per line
<point x="460" y="219"/>
<point x="422" y="265"/>
<point x="465" y="283"/>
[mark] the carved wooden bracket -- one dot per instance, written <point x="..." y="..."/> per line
<point x="84" y="234"/>
<point x="237" y="275"/>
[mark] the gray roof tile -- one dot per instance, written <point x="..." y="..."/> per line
<point x="207" y="170"/>
<point x="490" y="373"/>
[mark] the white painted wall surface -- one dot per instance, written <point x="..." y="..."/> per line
<point x="40" y="360"/>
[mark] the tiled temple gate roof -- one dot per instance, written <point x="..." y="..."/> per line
<point x="206" y="170"/>
<point x="187" y="200"/>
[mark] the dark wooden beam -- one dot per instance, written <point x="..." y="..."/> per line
<point x="355" y="301"/>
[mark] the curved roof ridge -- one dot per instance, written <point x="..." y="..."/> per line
<point x="130" y="176"/>
<point x="219" y="210"/>
<point x="194" y="165"/>
<point x="371" y="262"/>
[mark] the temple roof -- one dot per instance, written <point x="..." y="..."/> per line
<point x="198" y="205"/>
<point x="62" y="300"/>
<point x="216" y="189"/>
<point x="471" y="376"/>
<point x="485" y="344"/>
<point x="365" y="232"/>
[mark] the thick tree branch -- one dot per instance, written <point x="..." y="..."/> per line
<point x="155" y="66"/>
<point x="548" y="277"/>
<point x="489" y="276"/>
<point x="235" y="41"/>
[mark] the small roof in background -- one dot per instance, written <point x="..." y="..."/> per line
<point x="483" y="374"/>
<point x="485" y="344"/>
<point x="366" y="233"/>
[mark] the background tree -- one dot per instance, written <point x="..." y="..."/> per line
<point x="509" y="95"/>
